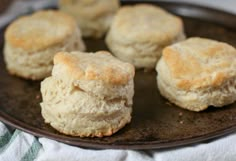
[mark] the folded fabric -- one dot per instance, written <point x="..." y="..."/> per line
<point x="18" y="145"/>
<point x="21" y="146"/>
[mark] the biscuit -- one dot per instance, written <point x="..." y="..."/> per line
<point x="93" y="16"/>
<point x="88" y="94"/>
<point x="198" y="73"/>
<point x="139" y="33"/>
<point x="32" y="41"/>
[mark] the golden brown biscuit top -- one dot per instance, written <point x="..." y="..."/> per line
<point x="93" y="66"/>
<point x="40" y="30"/>
<point x="90" y="9"/>
<point x="146" y="23"/>
<point x="200" y="62"/>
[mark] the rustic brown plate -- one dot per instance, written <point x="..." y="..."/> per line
<point x="156" y="123"/>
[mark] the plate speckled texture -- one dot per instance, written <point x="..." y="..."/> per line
<point x="156" y="123"/>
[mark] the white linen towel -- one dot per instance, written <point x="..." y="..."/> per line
<point x="20" y="146"/>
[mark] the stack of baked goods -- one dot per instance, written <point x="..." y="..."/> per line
<point x="32" y="41"/>
<point x="88" y="94"/>
<point x="197" y="73"/>
<point x="93" y="17"/>
<point x="91" y="94"/>
<point x="139" y="33"/>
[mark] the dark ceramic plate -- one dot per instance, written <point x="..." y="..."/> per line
<point x="156" y="123"/>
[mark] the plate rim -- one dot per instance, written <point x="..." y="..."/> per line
<point x="211" y="11"/>
<point x="62" y="138"/>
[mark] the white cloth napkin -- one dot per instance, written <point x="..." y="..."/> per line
<point x="220" y="150"/>
<point x="17" y="146"/>
<point x="20" y="146"/>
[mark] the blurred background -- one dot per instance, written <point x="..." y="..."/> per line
<point x="229" y="5"/>
<point x="10" y="9"/>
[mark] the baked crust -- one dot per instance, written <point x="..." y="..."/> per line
<point x="144" y="23"/>
<point x="198" y="73"/>
<point x="200" y="63"/>
<point x="36" y="32"/>
<point x="139" y="33"/>
<point x="91" y="9"/>
<point x="93" y="16"/>
<point x="88" y="94"/>
<point x="94" y="66"/>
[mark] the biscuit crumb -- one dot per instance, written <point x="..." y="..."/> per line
<point x="37" y="96"/>
<point x="168" y="103"/>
